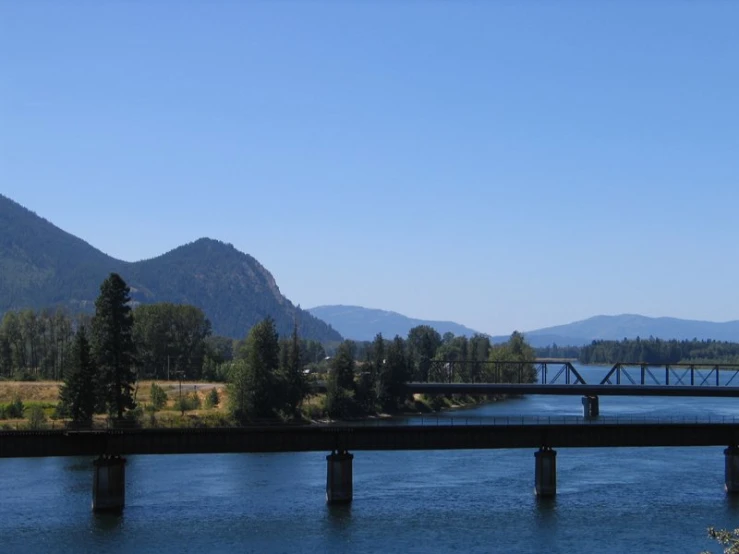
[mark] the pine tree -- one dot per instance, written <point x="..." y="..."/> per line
<point x="253" y="390"/>
<point x="296" y="386"/>
<point x="113" y="347"/>
<point x="340" y="389"/>
<point x="393" y="374"/>
<point x="77" y="395"/>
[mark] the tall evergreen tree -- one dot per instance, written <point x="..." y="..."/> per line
<point x="113" y="347"/>
<point x="423" y="342"/>
<point x="394" y="373"/>
<point x="296" y="386"/>
<point x="340" y="388"/>
<point x="254" y="382"/>
<point x="77" y="395"/>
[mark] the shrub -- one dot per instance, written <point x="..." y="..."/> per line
<point x="158" y="397"/>
<point x="14" y="410"/>
<point x="36" y="418"/>
<point x="188" y="402"/>
<point x="212" y="399"/>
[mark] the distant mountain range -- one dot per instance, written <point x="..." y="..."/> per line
<point x="359" y="323"/>
<point x="42" y="266"/>
<point x="618" y="327"/>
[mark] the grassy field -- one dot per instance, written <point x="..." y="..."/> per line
<point x="45" y="395"/>
<point x="48" y="391"/>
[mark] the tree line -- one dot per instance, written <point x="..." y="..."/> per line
<point x="172" y="341"/>
<point x="653" y="350"/>
<point x="268" y="376"/>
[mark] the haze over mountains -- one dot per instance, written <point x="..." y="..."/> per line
<point x="42" y="266"/>
<point x="359" y="323"/>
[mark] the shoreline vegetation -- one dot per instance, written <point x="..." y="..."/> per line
<point x="35" y="406"/>
<point x="159" y="365"/>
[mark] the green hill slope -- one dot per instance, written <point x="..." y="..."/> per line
<point x="43" y="266"/>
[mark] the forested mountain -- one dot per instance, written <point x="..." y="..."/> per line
<point x="363" y="324"/>
<point x="42" y="266"/>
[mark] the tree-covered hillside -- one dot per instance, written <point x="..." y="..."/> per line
<point x="42" y="266"/>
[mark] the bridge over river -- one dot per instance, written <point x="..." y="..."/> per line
<point x="561" y="377"/>
<point x="543" y="434"/>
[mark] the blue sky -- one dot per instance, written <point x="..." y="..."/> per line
<point x="502" y="164"/>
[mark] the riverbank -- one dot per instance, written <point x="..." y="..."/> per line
<point x="33" y="405"/>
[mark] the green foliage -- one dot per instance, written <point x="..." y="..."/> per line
<point x="212" y="399"/>
<point x="187" y="402"/>
<point x="15" y="409"/>
<point x="253" y="385"/>
<point x="35" y="345"/>
<point x="556" y="351"/>
<point x="653" y="350"/>
<point x="340" y="388"/>
<point x="423" y="342"/>
<point x="394" y="372"/>
<point x="515" y="350"/>
<point x="158" y="397"/>
<point x="170" y="339"/>
<point x="36" y="418"/>
<point x="113" y="347"/>
<point x="77" y="396"/>
<point x="292" y="379"/>
<point x="41" y="266"/>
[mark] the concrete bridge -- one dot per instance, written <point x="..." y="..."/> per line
<point x="111" y="446"/>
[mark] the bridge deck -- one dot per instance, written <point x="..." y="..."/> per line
<point x="17" y="444"/>
<point x="577" y="390"/>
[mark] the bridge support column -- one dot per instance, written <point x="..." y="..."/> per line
<point x="591" y="407"/>
<point x="731" y="456"/>
<point x="109" y="484"/>
<point x="546" y="472"/>
<point x="339" y="479"/>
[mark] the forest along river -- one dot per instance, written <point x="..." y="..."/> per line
<point x="608" y="499"/>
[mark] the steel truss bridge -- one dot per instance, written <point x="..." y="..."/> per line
<point x="547" y="376"/>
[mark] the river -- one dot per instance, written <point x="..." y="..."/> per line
<point x="608" y="500"/>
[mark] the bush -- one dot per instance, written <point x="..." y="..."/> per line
<point x="212" y="399"/>
<point x="314" y="410"/>
<point x="14" y="410"/>
<point x="188" y="402"/>
<point x="36" y="418"/>
<point x="158" y="397"/>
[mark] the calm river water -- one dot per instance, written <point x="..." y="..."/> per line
<point x="609" y="500"/>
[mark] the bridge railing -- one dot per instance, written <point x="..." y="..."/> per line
<point x="426" y="421"/>
<point x="544" y="371"/>
<point x="462" y="421"/>
<point x="667" y="374"/>
<point x="540" y="371"/>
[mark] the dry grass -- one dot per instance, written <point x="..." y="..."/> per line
<point x="48" y="391"/>
<point x="34" y="391"/>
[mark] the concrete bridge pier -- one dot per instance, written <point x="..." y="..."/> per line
<point x="546" y="472"/>
<point x="109" y="484"/>
<point x="731" y="457"/>
<point x="339" y="479"/>
<point x="591" y="407"/>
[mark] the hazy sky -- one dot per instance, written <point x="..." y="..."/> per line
<point x="501" y="164"/>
